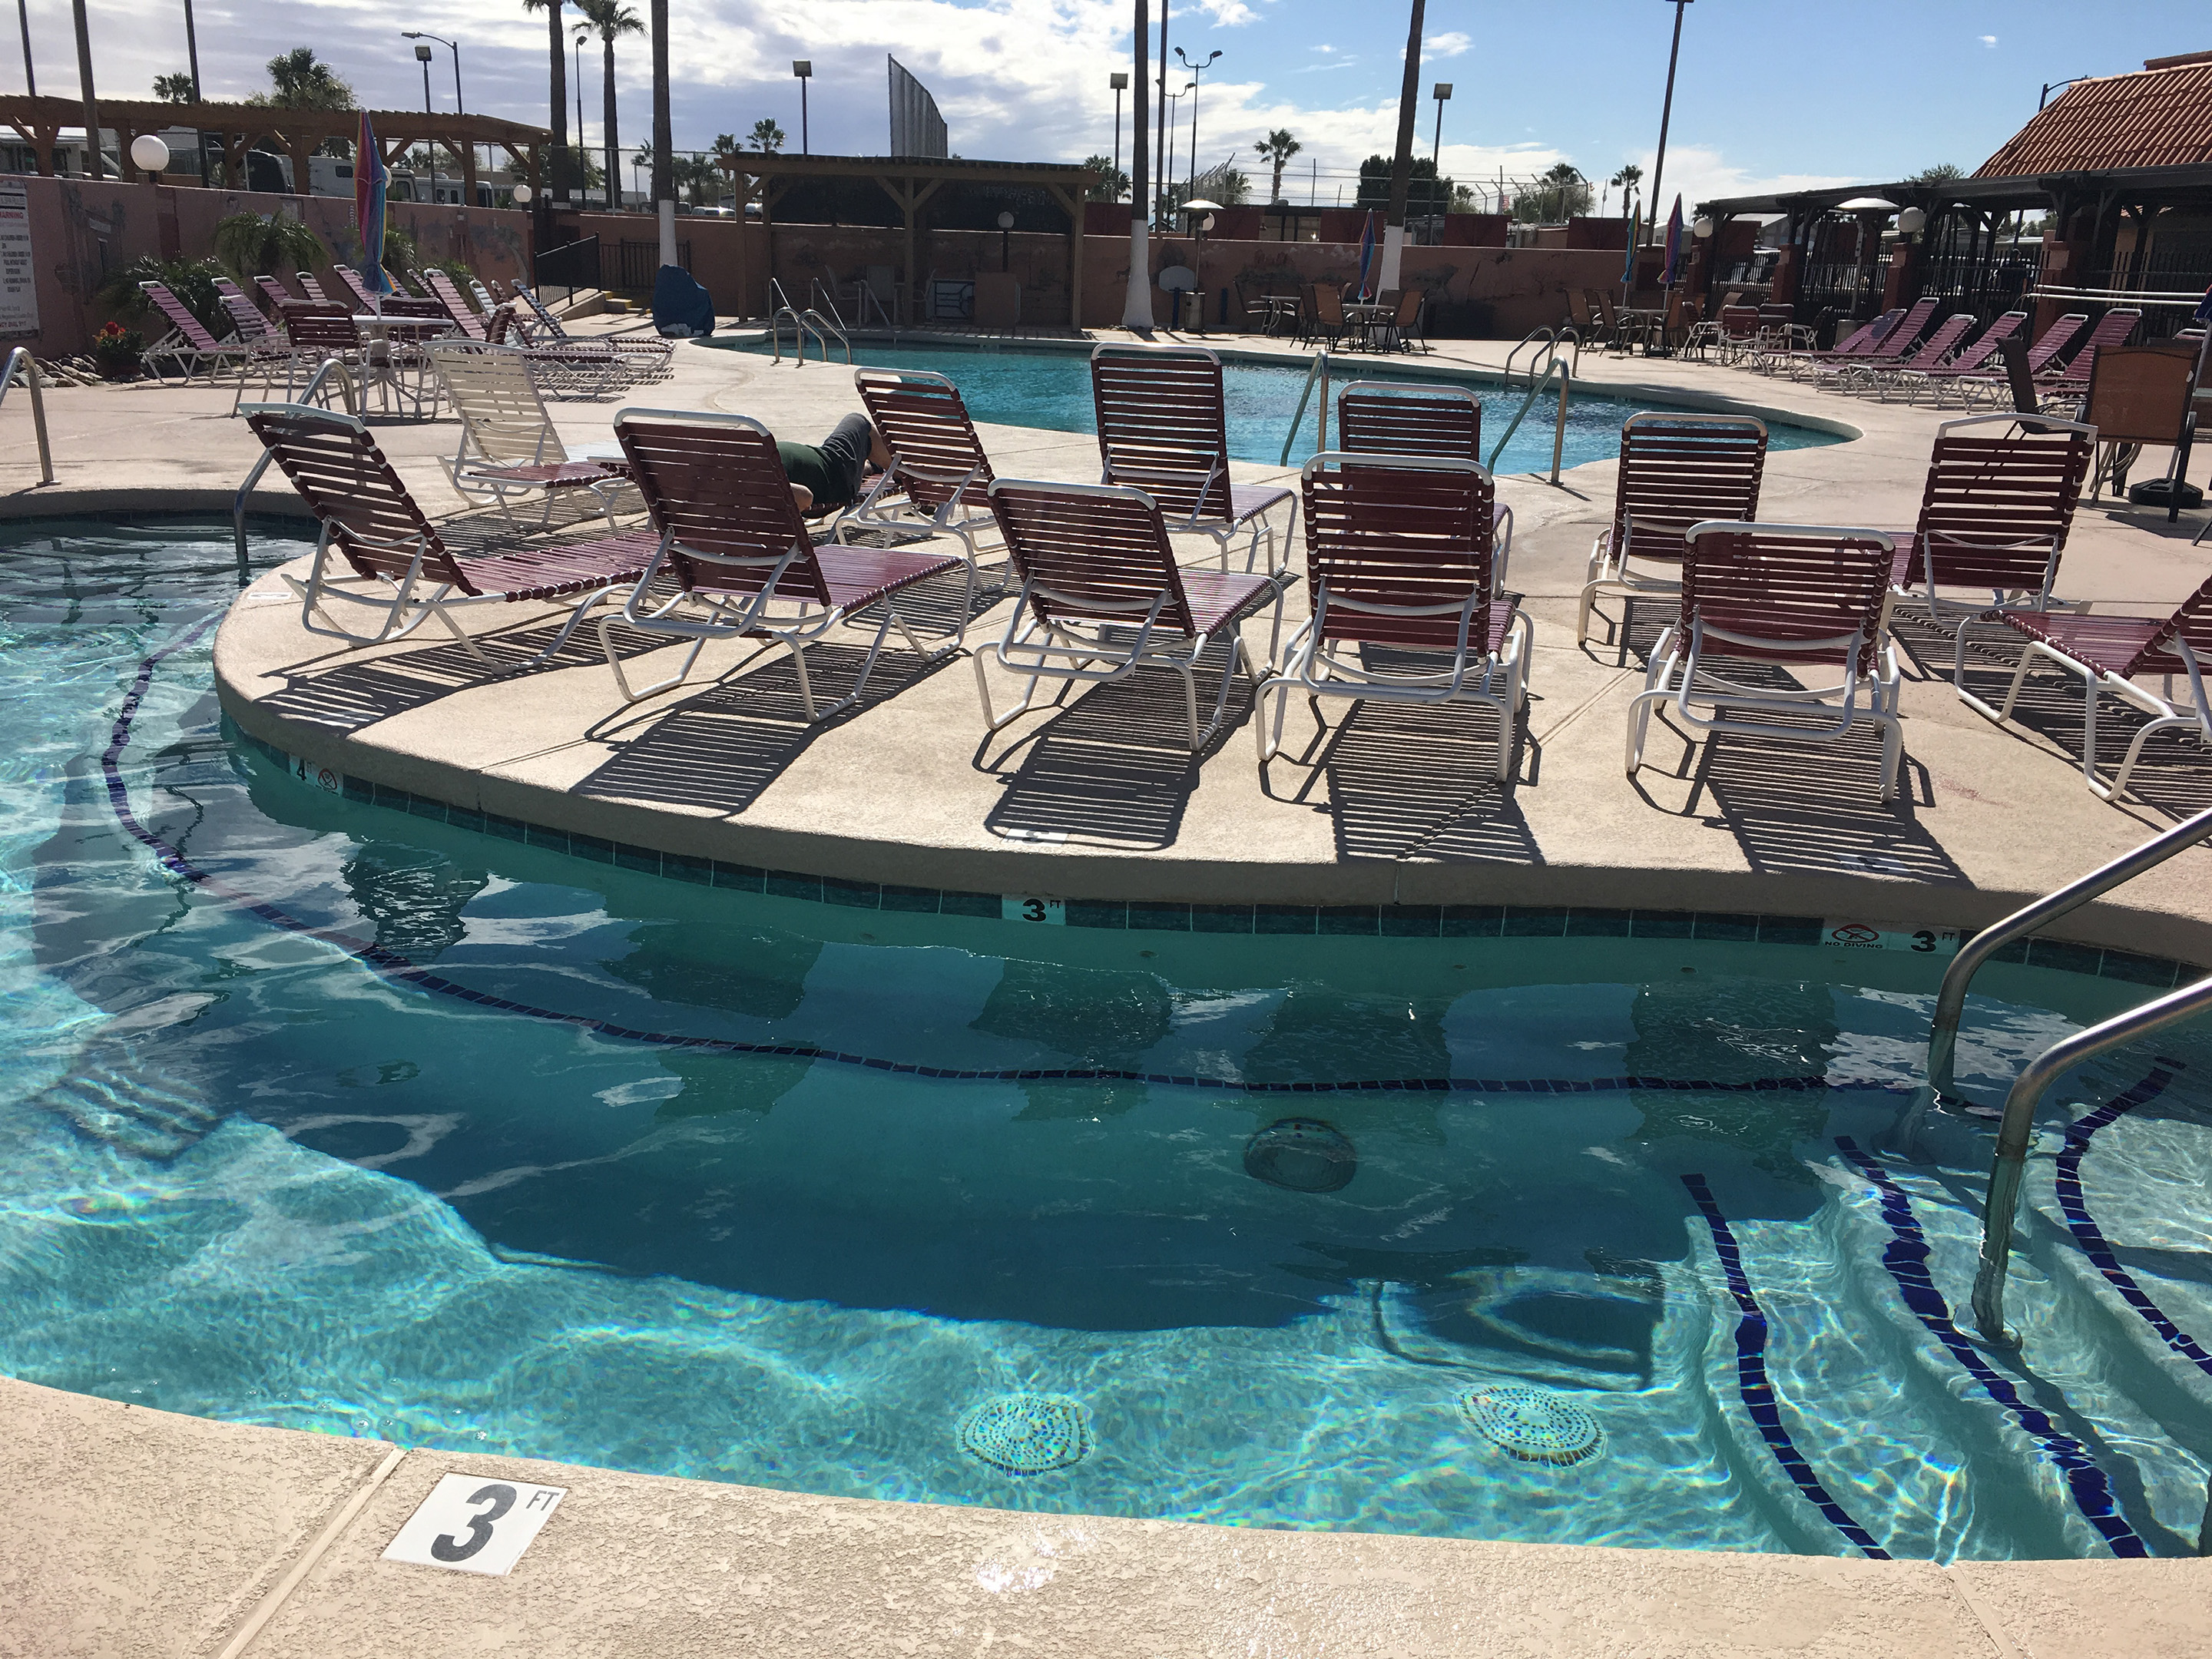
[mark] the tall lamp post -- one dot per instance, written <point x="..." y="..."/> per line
<point x="31" y="73"/>
<point x="423" y="52"/>
<point x="92" y="155"/>
<point x="1137" y="293"/>
<point x="1119" y="82"/>
<point x="803" y="69"/>
<point x="1168" y="101"/>
<point x="422" y="56"/>
<point x="1195" y="69"/>
<point x="1666" y="116"/>
<point x="1442" y="93"/>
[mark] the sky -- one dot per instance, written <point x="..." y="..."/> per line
<point x="1772" y="93"/>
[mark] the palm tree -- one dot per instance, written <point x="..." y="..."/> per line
<point x="607" y="19"/>
<point x="251" y="245"/>
<point x="1279" y="146"/>
<point x="1627" y="180"/>
<point x="663" y="181"/>
<point x="766" y="137"/>
<point x="558" y="35"/>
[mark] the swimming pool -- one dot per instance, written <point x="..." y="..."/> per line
<point x="341" y="1117"/>
<point x="1052" y="390"/>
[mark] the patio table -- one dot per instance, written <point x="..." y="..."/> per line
<point x="382" y="333"/>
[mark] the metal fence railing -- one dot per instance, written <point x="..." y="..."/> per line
<point x="558" y="272"/>
<point x="637" y="263"/>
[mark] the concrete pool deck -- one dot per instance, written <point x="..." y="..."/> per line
<point x="139" y="1535"/>
<point x="1099" y="801"/>
<point x="135" y="1532"/>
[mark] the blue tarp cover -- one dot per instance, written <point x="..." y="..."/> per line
<point x="681" y="308"/>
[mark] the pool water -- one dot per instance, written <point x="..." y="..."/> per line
<point x="1052" y="390"/>
<point x="308" y="1116"/>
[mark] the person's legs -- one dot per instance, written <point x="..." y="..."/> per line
<point x="847" y="448"/>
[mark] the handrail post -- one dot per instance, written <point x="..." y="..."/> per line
<point x="1559" y="426"/>
<point x="1951" y="1000"/>
<point x="1317" y="369"/>
<point x="2007" y="1168"/>
<point x="20" y="358"/>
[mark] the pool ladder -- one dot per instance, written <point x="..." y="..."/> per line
<point x="2016" y="1128"/>
<point x="1554" y="369"/>
<point x="330" y="367"/>
<point x="803" y="322"/>
<point x="21" y="363"/>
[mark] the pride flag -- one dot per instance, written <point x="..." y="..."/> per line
<point x="370" y="178"/>
<point x="1366" y="254"/>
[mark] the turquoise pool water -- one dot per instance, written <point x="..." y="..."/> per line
<point x="1052" y="390"/>
<point x="268" y="1153"/>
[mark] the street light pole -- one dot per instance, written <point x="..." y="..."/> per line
<point x="804" y="69"/>
<point x="1136" y="296"/>
<point x="91" y="109"/>
<point x="1195" y="69"/>
<point x="1442" y="93"/>
<point x="423" y="52"/>
<point x="1666" y="116"/>
<point x="31" y="75"/>
<point x="422" y="56"/>
<point x="1159" y="161"/>
<point x="1120" y="82"/>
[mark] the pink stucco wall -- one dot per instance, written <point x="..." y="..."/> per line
<point x="82" y="230"/>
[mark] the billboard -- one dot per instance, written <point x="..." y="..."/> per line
<point x="917" y="130"/>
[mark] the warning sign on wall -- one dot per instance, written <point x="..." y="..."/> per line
<point x="18" y="289"/>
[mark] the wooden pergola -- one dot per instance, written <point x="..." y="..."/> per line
<point x="910" y="181"/>
<point x="298" y="133"/>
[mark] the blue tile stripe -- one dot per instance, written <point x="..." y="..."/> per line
<point x="2091" y="1237"/>
<point x="1906" y="1258"/>
<point x="1757" y="1389"/>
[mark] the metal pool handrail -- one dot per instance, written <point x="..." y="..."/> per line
<point x="1317" y="369"/>
<point x="1951" y="1000"/>
<point x="1549" y="337"/>
<point x="803" y="322"/>
<point x="21" y="360"/>
<point x="1557" y="366"/>
<point x="254" y="476"/>
<point x="2027" y="1090"/>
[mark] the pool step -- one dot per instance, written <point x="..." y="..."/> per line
<point x="137" y="1111"/>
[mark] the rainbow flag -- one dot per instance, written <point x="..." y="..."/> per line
<point x="370" y="178"/>
<point x="1366" y="254"/>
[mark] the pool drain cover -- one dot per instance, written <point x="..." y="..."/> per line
<point x="1027" y="1433"/>
<point x="1302" y="1155"/>
<point x="1534" y="1425"/>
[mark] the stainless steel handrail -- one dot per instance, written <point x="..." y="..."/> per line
<point x="21" y="360"/>
<point x="803" y="322"/>
<point x="1951" y="1000"/>
<point x="2009" y="1166"/>
<point x="1551" y="338"/>
<point x="1319" y="367"/>
<point x="1557" y="366"/>
<point x="253" y="475"/>
<point x="821" y="323"/>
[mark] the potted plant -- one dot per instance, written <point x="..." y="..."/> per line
<point x="118" y="351"/>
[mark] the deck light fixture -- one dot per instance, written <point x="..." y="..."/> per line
<point x="150" y="155"/>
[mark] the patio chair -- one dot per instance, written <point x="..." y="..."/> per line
<point x="1913" y="378"/>
<point x="1795" y="596"/>
<point x="310" y="288"/>
<point x="1676" y="471"/>
<point x="644" y="357"/>
<point x="577" y="369"/>
<point x="1321" y="316"/>
<point x="1409" y="417"/>
<point x="1993" y="518"/>
<point x="1619" y="336"/>
<point x="2108" y="653"/>
<point x="356" y="288"/>
<point x="1979" y="382"/>
<point x="939" y="476"/>
<point x="188" y="346"/>
<point x="411" y="567"/>
<point x="454" y="307"/>
<point x="1163" y="429"/>
<point x="1403" y="332"/>
<point x="508" y="447"/>
<point x="276" y="295"/>
<point x="734" y="546"/>
<point x="1406" y="607"/>
<point x="1102" y="596"/>
<point x="267" y="349"/>
<point x="1731" y="335"/>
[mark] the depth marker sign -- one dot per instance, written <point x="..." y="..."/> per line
<point x="473" y="1524"/>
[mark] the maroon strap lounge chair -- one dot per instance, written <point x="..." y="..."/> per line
<point x="1163" y="429"/>
<point x="1862" y="342"/>
<point x="1913" y="380"/>
<point x="2109" y="653"/>
<point x="371" y="522"/>
<point x="2053" y="340"/>
<point x="1401" y="553"/>
<point x="1809" y="599"/>
<point x="1102" y="596"/>
<point x="459" y="309"/>
<point x="1676" y="471"/>
<point x="2112" y="329"/>
<point x="310" y="288"/>
<point x="1406" y="417"/>
<point x="188" y="346"/>
<point x="938" y="473"/>
<point x="276" y="295"/>
<point x="737" y="549"/>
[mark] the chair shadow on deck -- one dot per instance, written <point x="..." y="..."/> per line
<point x="1112" y="766"/>
<point x="1798" y="807"/>
<point x="720" y="750"/>
<point x="1415" y="780"/>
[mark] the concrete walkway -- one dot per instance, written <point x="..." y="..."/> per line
<point x="137" y="1535"/>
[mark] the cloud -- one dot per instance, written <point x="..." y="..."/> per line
<point x="1321" y="49"/>
<point x="1989" y="39"/>
<point x="1446" y="45"/>
<point x="1230" y="13"/>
